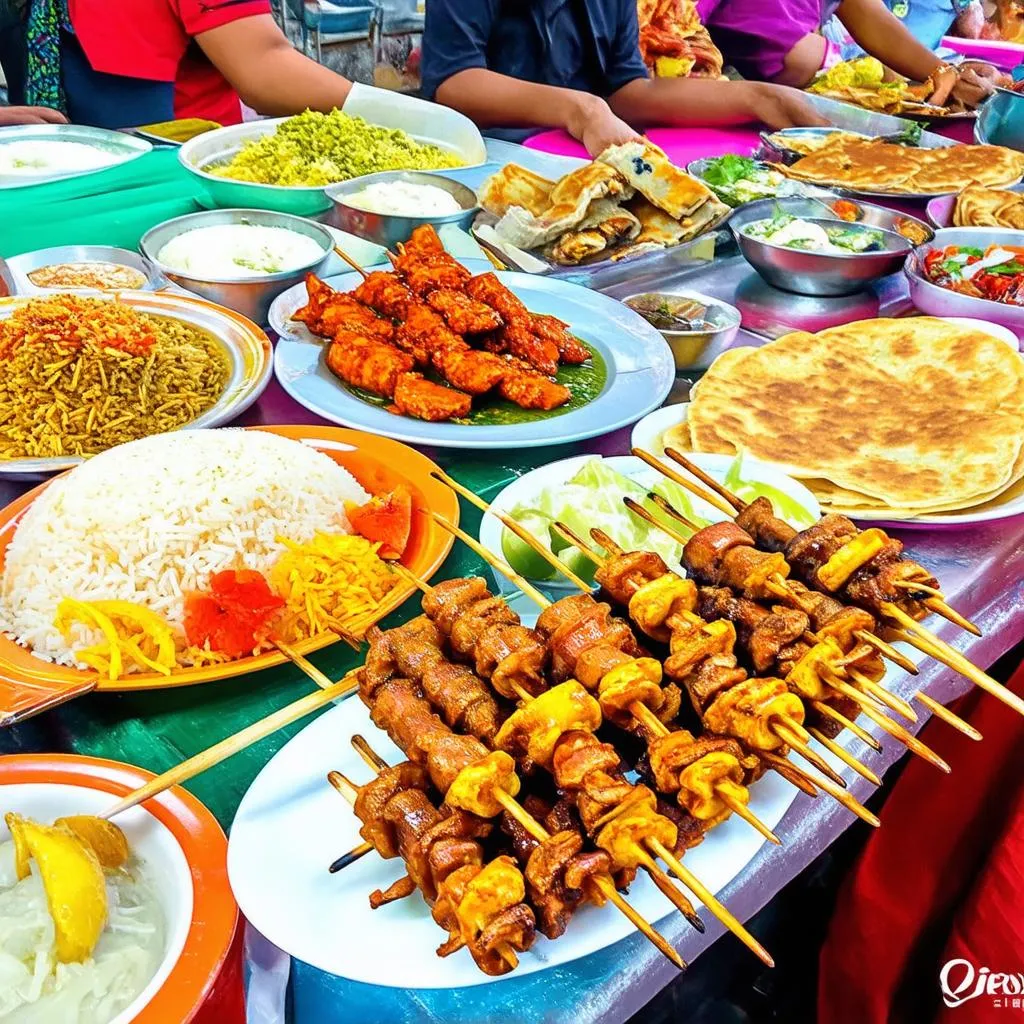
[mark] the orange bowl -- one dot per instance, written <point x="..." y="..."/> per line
<point x="186" y="851"/>
<point x="28" y="684"/>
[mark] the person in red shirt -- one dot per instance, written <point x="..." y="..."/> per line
<point x="142" y="61"/>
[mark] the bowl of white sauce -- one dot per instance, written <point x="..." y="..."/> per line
<point x="387" y="207"/>
<point x="242" y="259"/>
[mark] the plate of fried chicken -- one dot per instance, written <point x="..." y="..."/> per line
<point x="446" y="352"/>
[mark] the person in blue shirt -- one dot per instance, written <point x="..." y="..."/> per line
<point x="930" y="20"/>
<point x="576" y="65"/>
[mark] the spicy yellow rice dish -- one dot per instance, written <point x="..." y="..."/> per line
<point x="82" y="375"/>
<point x="315" y="149"/>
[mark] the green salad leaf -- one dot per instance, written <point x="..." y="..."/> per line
<point x="725" y="170"/>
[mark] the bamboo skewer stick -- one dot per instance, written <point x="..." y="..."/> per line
<point x="653" y="724"/>
<point x="845" y="756"/>
<point x="881" y="694"/>
<point x="507" y="521"/>
<point x="351" y="857"/>
<point x="716" y="908"/>
<point x="887" y="651"/>
<point x="934" y="603"/>
<point x="847" y="723"/>
<point x="912" y="743"/>
<point x="951" y="657"/>
<point x="711" y="497"/>
<point x="834" y="791"/>
<point x="942" y="712"/>
<point x="351" y="262"/>
<point x="193" y="766"/>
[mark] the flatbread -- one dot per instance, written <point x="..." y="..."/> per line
<point x="516" y="186"/>
<point x="656" y="178"/>
<point x="981" y="207"/>
<point x="874" y="165"/>
<point x="914" y="413"/>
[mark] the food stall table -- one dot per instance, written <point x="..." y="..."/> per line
<point x="983" y="573"/>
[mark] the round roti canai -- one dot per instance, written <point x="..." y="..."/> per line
<point x="916" y="413"/>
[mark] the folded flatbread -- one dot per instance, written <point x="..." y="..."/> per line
<point x="570" y="201"/>
<point x="516" y="186"/>
<point x="656" y="178"/>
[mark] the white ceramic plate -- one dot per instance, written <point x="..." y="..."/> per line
<point x="291" y="825"/>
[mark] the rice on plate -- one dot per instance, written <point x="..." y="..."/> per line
<point x="138" y="531"/>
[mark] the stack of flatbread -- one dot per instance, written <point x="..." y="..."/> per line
<point x="631" y="199"/>
<point x="980" y="207"/>
<point x="872" y="165"/>
<point x="901" y="417"/>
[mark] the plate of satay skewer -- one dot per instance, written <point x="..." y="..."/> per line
<point x="438" y="351"/>
<point x="572" y="745"/>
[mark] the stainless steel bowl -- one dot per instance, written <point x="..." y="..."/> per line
<point x="250" y="296"/>
<point x="816" y="273"/>
<point x="931" y="299"/>
<point x="388" y="229"/>
<point x="1001" y="120"/>
<point x="697" y="350"/>
<point x="23" y="265"/>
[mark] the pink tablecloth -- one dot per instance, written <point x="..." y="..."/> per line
<point x="1004" y="55"/>
<point x="681" y="145"/>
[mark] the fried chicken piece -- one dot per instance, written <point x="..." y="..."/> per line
<point x="386" y="293"/>
<point x="470" y="370"/>
<point x="488" y="289"/>
<point x="424" y="242"/>
<point x="424" y="278"/>
<point x="317" y="293"/>
<point x="425" y="332"/>
<point x="416" y="396"/>
<point x="570" y="349"/>
<point x="463" y="314"/>
<point x="532" y="391"/>
<point x="524" y="344"/>
<point x="367" y="363"/>
<point x="344" y="313"/>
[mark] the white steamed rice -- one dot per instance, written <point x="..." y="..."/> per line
<point x="150" y="520"/>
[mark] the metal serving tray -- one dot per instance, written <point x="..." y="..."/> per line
<point x="123" y="147"/>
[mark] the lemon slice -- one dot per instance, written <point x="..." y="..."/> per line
<point x="73" y="881"/>
<point x="105" y="839"/>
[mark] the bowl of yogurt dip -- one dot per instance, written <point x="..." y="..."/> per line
<point x="385" y="208"/>
<point x="242" y="259"/>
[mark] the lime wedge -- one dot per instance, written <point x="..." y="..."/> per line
<point x="519" y="554"/>
<point x="578" y="562"/>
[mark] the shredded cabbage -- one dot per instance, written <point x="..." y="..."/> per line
<point x="34" y="989"/>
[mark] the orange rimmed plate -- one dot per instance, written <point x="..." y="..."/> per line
<point x="185" y="852"/>
<point x="29" y="685"/>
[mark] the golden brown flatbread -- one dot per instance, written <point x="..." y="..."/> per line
<point x="656" y="178"/>
<point x="915" y="413"/>
<point x="516" y="186"/>
<point x="981" y="207"/>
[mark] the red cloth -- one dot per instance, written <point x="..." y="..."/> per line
<point x="939" y="880"/>
<point x="153" y="40"/>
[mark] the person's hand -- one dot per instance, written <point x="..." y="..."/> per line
<point x="597" y="127"/>
<point x="975" y="83"/>
<point x="30" y="115"/>
<point x="779" y="106"/>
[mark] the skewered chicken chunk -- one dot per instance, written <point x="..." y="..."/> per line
<point x="463" y="314"/>
<point x="416" y="396"/>
<point x="368" y="364"/>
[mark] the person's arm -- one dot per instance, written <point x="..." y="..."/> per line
<point x="496" y="101"/>
<point x="30" y="115"/>
<point x="970" y="22"/>
<point x="698" y="101"/>
<point x="880" y="33"/>
<point x="267" y="72"/>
